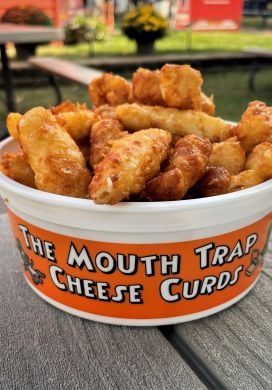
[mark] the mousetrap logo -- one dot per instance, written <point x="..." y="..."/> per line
<point x="36" y="275"/>
<point x="142" y="280"/>
<point x="257" y="256"/>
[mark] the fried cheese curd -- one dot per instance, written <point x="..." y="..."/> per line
<point x="255" y="125"/>
<point x="215" y="181"/>
<point x="16" y="167"/>
<point x="186" y="166"/>
<point x="258" y="168"/>
<point x="103" y="132"/>
<point x="56" y="160"/>
<point x="105" y="111"/>
<point x="146" y="87"/>
<point x="132" y="161"/>
<point x="12" y="124"/>
<point x="153" y="139"/>
<point x="180" y="122"/>
<point x="177" y="86"/>
<point x="229" y="155"/>
<point x="109" y="89"/>
<point x="181" y="86"/>
<point x="76" y="119"/>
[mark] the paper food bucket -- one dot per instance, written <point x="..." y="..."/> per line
<point x="144" y="263"/>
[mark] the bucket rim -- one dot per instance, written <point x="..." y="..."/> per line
<point x="128" y="207"/>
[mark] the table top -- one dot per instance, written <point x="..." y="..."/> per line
<point x="29" y="34"/>
<point x="44" y="348"/>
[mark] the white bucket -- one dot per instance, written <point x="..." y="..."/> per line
<point x="150" y="263"/>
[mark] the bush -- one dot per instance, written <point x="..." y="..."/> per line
<point x="144" y="24"/>
<point x="30" y="15"/>
<point x="84" y="29"/>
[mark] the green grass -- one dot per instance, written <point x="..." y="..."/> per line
<point x="177" y="42"/>
<point x="229" y="88"/>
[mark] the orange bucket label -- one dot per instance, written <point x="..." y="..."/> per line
<point x="141" y="281"/>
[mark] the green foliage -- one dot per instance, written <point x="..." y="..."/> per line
<point x="84" y="29"/>
<point x="30" y="15"/>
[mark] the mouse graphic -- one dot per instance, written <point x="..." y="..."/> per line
<point x="257" y="255"/>
<point x="36" y="275"/>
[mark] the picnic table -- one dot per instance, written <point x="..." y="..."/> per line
<point x="21" y="34"/>
<point x="45" y="348"/>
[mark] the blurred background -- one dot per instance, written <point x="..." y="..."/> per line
<point x="230" y="41"/>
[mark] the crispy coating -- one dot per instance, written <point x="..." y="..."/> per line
<point x="207" y="104"/>
<point x="78" y="124"/>
<point x="59" y="165"/>
<point x="109" y="89"/>
<point x="136" y="117"/>
<point x="15" y="166"/>
<point x="260" y="159"/>
<point x="132" y="161"/>
<point x="76" y="119"/>
<point x="102" y="133"/>
<point x="12" y="124"/>
<point x="146" y="87"/>
<point x="215" y="181"/>
<point x="255" y="125"/>
<point x="258" y="168"/>
<point x="68" y="106"/>
<point x="244" y="180"/>
<point x="186" y="166"/>
<point x="105" y="111"/>
<point x="228" y="132"/>
<point x="181" y="86"/>
<point x="229" y="155"/>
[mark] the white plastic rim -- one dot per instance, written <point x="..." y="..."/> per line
<point x="214" y="215"/>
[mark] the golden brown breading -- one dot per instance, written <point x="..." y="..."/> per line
<point x="186" y="166"/>
<point x="78" y="124"/>
<point x="260" y="159"/>
<point x="12" y="124"/>
<point x="105" y="111"/>
<point x="207" y="104"/>
<point x="102" y="133"/>
<point x="59" y="165"/>
<point x="15" y="166"/>
<point x="258" y="168"/>
<point x="229" y="155"/>
<point x="146" y="87"/>
<point x="76" y="119"/>
<point x="255" y="125"/>
<point x="132" y="161"/>
<point x="136" y="117"/>
<point x="109" y="89"/>
<point x="68" y="106"/>
<point x="244" y="180"/>
<point x="228" y="132"/>
<point x="181" y="86"/>
<point x="215" y="181"/>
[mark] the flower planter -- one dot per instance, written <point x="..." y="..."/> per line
<point x="145" y="48"/>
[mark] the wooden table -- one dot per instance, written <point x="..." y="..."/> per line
<point x="21" y="34"/>
<point x="44" y="348"/>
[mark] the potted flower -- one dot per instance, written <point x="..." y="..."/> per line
<point x="84" y="28"/>
<point x="144" y="24"/>
<point x="29" y="15"/>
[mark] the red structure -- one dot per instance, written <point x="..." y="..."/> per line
<point x="209" y="14"/>
<point x="51" y="7"/>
